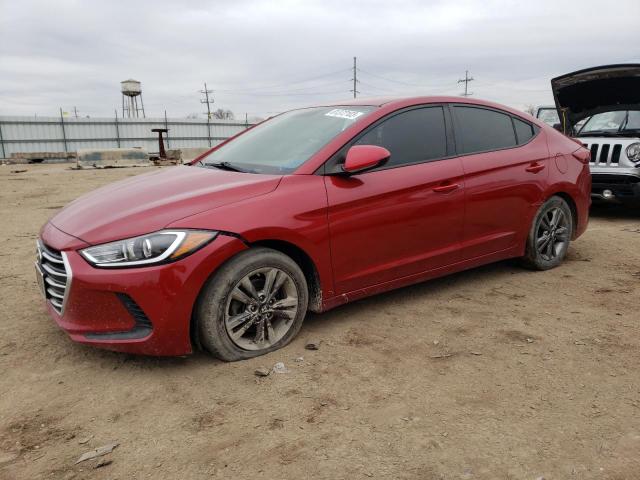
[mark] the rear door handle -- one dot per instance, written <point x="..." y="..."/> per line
<point x="535" y="167"/>
<point x="446" y="188"/>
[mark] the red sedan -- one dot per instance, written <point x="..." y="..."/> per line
<point x="311" y="209"/>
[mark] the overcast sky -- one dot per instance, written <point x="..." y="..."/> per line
<point x="263" y="57"/>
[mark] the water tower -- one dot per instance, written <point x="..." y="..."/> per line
<point x="131" y="90"/>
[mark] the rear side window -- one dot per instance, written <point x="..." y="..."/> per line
<point x="482" y="130"/>
<point x="413" y="136"/>
<point x="524" y="131"/>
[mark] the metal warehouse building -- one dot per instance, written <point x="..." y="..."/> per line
<point x="20" y="134"/>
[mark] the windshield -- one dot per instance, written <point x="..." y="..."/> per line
<point x="617" y="122"/>
<point x="283" y="143"/>
<point x="548" y="116"/>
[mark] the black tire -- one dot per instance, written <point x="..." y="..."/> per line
<point x="558" y="244"/>
<point x="216" y="297"/>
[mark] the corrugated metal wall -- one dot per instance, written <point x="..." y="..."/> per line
<point x="55" y="134"/>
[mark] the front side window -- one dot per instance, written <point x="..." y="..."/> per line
<point x="280" y="145"/>
<point x="483" y="130"/>
<point x="412" y="136"/>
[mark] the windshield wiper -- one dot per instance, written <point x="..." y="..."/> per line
<point x="227" y="166"/>
<point x="599" y="133"/>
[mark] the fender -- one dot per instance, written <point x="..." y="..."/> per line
<point x="274" y="216"/>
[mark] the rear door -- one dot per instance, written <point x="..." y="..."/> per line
<point x="405" y="217"/>
<point x="505" y="164"/>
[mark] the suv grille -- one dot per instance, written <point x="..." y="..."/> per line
<point x="605" y="154"/>
<point x="56" y="275"/>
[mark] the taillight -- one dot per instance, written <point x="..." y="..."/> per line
<point x="583" y="155"/>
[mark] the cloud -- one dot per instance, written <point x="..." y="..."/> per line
<point x="262" y="57"/>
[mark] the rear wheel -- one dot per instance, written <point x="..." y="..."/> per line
<point x="253" y="305"/>
<point x="549" y="236"/>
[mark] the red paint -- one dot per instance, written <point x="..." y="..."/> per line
<point x="365" y="233"/>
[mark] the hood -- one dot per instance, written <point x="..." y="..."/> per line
<point x="149" y="202"/>
<point x="594" y="90"/>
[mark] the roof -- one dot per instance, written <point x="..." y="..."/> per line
<point x="392" y="103"/>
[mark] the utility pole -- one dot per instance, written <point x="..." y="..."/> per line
<point x="355" y="77"/>
<point x="75" y="111"/>
<point x="466" y="81"/>
<point x="206" y="93"/>
<point x="206" y="100"/>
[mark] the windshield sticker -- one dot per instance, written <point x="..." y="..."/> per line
<point x="340" y="113"/>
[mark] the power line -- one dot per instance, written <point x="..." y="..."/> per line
<point x="285" y="92"/>
<point x="284" y="85"/>
<point x="466" y="81"/>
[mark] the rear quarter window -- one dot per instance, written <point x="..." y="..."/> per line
<point x="482" y="130"/>
<point x="524" y="131"/>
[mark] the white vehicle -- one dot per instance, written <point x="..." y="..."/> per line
<point x="600" y="106"/>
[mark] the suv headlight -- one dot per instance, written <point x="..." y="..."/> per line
<point x="633" y="152"/>
<point x="159" y="247"/>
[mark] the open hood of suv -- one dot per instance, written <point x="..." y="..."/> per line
<point x="594" y="90"/>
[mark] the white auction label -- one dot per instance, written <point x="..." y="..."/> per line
<point x="340" y="113"/>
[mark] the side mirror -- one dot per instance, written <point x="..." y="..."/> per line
<point x="364" y="157"/>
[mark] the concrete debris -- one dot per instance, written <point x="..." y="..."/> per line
<point x="112" y="157"/>
<point x="98" y="452"/>
<point x="280" y="368"/>
<point x="84" y="440"/>
<point x="103" y="463"/>
<point x="312" y="344"/>
<point x="442" y="355"/>
<point x="262" y="372"/>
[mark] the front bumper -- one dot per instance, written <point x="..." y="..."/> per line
<point x="135" y="310"/>
<point x="623" y="186"/>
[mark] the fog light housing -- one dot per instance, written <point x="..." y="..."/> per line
<point x="607" y="194"/>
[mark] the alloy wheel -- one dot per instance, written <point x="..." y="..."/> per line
<point x="261" y="308"/>
<point x="552" y="234"/>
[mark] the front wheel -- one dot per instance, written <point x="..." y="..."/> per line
<point x="253" y="305"/>
<point x="549" y="236"/>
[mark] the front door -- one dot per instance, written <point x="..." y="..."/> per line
<point x="405" y="217"/>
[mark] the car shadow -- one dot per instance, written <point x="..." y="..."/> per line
<point x="441" y="287"/>
<point x="614" y="211"/>
<point x="318" y="325"/>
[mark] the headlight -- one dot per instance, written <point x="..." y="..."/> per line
<point x="633" y="152"/>
<point x="159" y="247"/>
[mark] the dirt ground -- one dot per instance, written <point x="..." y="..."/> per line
<point x="495" y="373"/>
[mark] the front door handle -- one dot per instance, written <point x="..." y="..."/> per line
<point x="446" y="188"/>
<point x="535" y="167"/>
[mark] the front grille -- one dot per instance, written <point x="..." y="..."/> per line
<point x="605" y="154"/>
<point x="56" y="275"/>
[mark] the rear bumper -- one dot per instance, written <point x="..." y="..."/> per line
<point x="623" y="187"/>
<point x="138" y="310"/>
